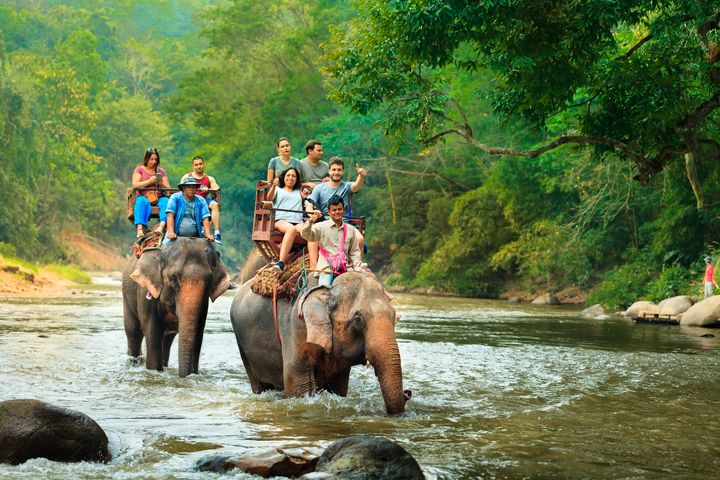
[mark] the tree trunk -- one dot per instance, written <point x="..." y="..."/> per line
<point x="691" y="171"/>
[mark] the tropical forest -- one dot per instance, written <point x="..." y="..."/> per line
<point x="525" y="145"/>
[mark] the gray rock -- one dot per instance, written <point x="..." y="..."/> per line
<point x="546" y="299"/>
<point x="35" y="429"/>
<point x="366" y="457"/>
<point x="675" y="305"/>
<point x="273" y="463"/>
<point x="703" y="314"/>
<point x="596" y="311"/>
<point x="320" y="476"/>
<point x="642" y="306"/>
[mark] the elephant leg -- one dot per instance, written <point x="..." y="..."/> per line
<point x="167" y="344"/>
<point x="198" y="344"/>
<point x="338" y="383"/>
<point x="154" y="344"/>
<point x="133" y="332"/>
<point x="255" y="384"/>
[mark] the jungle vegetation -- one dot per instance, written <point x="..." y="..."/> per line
<point x="535" y="143"/>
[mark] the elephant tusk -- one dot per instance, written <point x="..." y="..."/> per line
<point x="367" y="363"/>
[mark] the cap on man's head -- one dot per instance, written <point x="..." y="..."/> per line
<point x="189" y="182"/>
<point x="708" y="260"/>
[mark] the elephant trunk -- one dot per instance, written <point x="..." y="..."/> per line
<point x="191" y="309"/>
<point x="383" y="353"/>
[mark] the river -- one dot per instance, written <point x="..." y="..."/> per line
<point x="499" y="391"/>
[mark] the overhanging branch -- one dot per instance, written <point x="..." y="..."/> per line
<point x="568" y="139"/>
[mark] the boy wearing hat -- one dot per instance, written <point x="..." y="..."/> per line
<point x="709" y="277"/>
<point x="187" y="213"/>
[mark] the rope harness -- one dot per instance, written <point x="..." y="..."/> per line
<point x="287" y="284"/>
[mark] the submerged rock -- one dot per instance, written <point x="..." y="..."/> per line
<point x="642" y="306"/>
<point x="596" y="311"/>
<point x="703" y="314"/>
<point x="273" y="463"/>
<point x="546" y="299"/>
<point x="367" y="457"/>
<point x="35" y="429"/>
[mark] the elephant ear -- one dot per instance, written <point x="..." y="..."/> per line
<point x="147" y="272"/>
<point x="220" y="279"/>
<point x="314" y="310"/>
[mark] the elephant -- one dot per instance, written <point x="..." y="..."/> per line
<point x="165" y="293"/>
<point x="254" y="262"/>
<point x="320" y="338"/>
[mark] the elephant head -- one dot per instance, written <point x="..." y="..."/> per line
<point x="353" y="321"/>
<point x="182" y="276"/>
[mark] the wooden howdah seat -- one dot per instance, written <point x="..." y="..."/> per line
<point x="267" y="239"/>
<point x="155" y="210"/>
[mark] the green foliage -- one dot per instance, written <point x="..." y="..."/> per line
<point x="672" y="281"/>
<point x="633" y="76"/>
<point x="417" y="92"/>
<point x="461" y="262"/>
<point x="623" y="285"/>
<point x="7" y="250"/>
<point x="547" y="253"/>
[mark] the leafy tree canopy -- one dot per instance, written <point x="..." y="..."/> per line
<point x="639" y="77"/>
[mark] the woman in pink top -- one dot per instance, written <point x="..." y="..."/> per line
<point x="149" y="174"/>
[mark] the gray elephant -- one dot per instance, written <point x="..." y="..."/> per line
<point x="165" y="293"/>
<point x="320" y="338"/>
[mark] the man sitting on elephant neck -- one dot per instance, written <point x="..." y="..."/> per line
<point x="339" y="242"/>
<point x="187" y="213"/>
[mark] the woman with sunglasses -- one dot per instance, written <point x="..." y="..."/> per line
<point x="145" y="176"/>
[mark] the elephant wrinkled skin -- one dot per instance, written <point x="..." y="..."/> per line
<point x="180" y="277"/>
<point x="323" y="336"/>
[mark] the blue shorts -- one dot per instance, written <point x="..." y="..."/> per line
<point x="209" y="200"/>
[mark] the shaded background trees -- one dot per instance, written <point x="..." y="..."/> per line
<point x="533" y="144"/>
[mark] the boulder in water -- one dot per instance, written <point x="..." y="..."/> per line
<point x="675" y="305"/>
<point x="273" y="463"/>
<point x="35" y="429"/>
<point x="703" y="314"/>
<point x="366" y="457"/>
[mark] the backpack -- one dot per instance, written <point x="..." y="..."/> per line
<point x="337" y="261"/>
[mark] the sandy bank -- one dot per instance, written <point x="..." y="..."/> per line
<point x="88" y="254"/>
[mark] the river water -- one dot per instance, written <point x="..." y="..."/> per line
<point x="499" y="391"/>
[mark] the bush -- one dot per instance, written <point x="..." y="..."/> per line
<point x="622" y="286"/>
<point x="674" y="280"/>
<point x="7" y="250"/>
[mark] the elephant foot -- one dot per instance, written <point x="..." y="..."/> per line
<point x="135" y="361"/>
